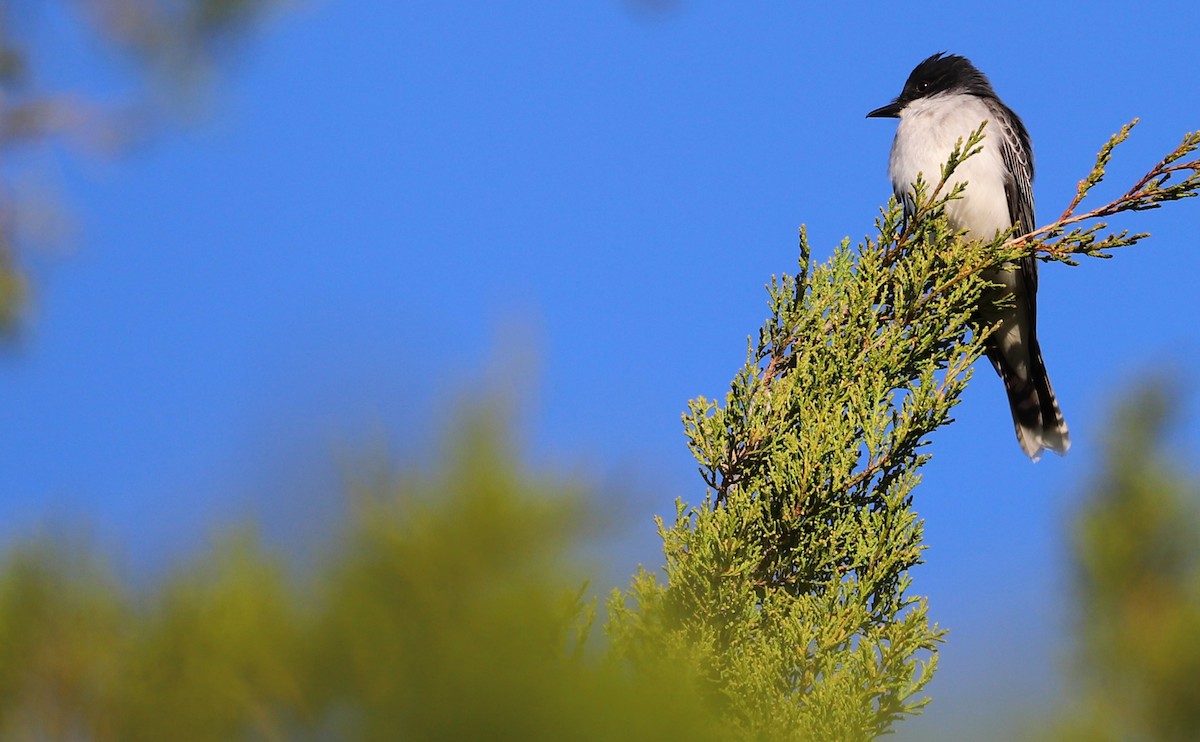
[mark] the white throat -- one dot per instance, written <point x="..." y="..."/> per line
<point x="928" y="131"/>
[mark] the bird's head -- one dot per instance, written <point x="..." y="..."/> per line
<point x="938" y="75"/>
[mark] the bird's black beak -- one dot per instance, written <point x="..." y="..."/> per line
<point x="890" y="111"/>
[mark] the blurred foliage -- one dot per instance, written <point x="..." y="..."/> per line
<point x="63" y="628"/>
<point x="1137" y="587"/>
<point x="451" y="607"/>
<point x="180" y="33"/>
<point x="168" y="41"/>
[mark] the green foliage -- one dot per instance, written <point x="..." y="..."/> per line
<point x="62" y="621"/>
<point x="12" y="291"/>
<point x="467" y="621"/>
<point x="219" y="646"/>
<point x="1137" y="586"/>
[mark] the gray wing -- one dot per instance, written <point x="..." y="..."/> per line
<point x="1017" y="153"/>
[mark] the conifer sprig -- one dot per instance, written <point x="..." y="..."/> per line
<point x="1171" y="179"/>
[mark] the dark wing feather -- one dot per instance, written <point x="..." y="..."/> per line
<point x="1017" y="153"/>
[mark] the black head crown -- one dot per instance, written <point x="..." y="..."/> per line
<point x="941" y="73"/>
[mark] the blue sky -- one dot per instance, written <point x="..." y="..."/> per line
<point x="385" y="206"/>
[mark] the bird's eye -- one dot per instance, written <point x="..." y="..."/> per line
<point x="923" y="86"/>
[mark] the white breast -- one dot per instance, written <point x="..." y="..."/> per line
<point x="928" y="131"/>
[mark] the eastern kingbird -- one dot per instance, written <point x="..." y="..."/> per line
<point x="946" y="99"/>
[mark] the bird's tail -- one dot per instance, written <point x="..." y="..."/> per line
<point x="1038" y="420"/>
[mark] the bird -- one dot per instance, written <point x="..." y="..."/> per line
<point x="944" y="100"/>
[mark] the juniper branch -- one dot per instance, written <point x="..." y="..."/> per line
<point x="1149" y="192"/>
<point x="1051" y="242"/>
<point x="786" y="588"/>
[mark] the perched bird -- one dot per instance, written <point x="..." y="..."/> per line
<point x="946" y="99"/>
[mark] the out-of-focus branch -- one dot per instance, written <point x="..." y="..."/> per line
<point x="171" y="42"/>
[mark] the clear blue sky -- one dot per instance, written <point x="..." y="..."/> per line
<point x="386" y="201"/>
